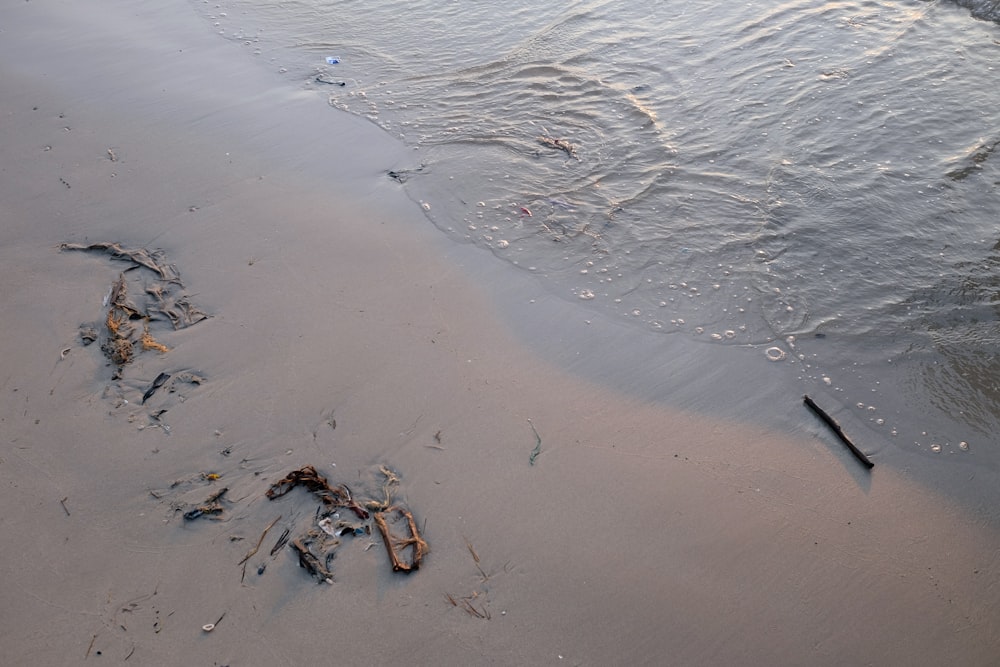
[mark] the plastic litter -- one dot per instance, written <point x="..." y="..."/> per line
<point x="331" y="60"/>
<point x="327" y="526"/>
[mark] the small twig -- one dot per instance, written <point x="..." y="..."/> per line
<point x="92" y="640"/>
<point x="253" y="551"/>
<point x="472" y="610"/>
<point x="282" y="541"/>
<point x="63" y="503"/>
<point x="472" y="551"/>
<point x="832" y="423"/>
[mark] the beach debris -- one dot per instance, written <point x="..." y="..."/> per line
<point x="466" y="604"/>
<point x="478" y="597"/>
<point x="309" y="560"/>
<point x="133" y="297"/>
<point x="63" y="503"/>
<point x="157" y="383"/>
<point x="475" y="558"/>
<point x="282" y="541"/>
<point x="252" y="552"/>
<point x="118" y="346"/>
<point x="835" y="427"/>
<point x="327" y="526"/>
<point x="211" y="507"/>
<point x="332" y="60"/>
<point x="308" y="477"/>
<point x="208" y="627"/>
<point x="322" y="78"/>
<point x="402" y="175"/>
<point x="558" y="144"/>
<point x="838" y="73"/>
<point x="88" y="335"/>
<point x="315" y="546"/>
<point x="150" y="343"/>
<point x="140" y="256"/>
<point x="316" y="542"/>
<point x="391" y="479"/>
<point x="396" y="546"/>
<point x="538" y="445"/>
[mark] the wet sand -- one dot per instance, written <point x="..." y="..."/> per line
<point x="641" y="534"/>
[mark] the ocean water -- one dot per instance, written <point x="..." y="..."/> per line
<point x="817" y="183"/>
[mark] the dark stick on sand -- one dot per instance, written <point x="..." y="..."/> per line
<point x="832" y="423"/>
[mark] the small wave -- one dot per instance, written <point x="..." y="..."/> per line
<point x="986" y="10"/>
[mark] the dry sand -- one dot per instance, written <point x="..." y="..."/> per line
<point x="640" y="535"/>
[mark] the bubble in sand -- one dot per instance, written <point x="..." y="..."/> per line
<point x="586" y="294"/>
<point x="936" y="448"/>
<point x="964" y="446"/>
<point x="774" y="354"/>
<point x="502" y="243"/>
<point x="424" y="205"/>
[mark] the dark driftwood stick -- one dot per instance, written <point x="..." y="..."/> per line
<point x="832" y="423"/>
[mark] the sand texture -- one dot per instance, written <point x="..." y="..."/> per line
<point x="341" y="331"/>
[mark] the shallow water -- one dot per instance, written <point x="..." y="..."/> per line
<point x="816" y="182"/>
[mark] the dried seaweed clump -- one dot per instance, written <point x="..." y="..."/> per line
<point x="160" y="299"/>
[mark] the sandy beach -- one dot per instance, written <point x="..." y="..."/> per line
<point x="345" y="333"/>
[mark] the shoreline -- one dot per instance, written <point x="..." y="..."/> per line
<point x="641" y="532"/>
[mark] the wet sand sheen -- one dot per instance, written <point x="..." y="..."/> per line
<point x="641" y="534"/>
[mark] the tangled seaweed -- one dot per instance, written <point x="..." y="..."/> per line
<point x="336" y="497"/>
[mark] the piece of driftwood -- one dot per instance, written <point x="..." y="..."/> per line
<point x="396" y="546"/>
<point x="835" y="427"/>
